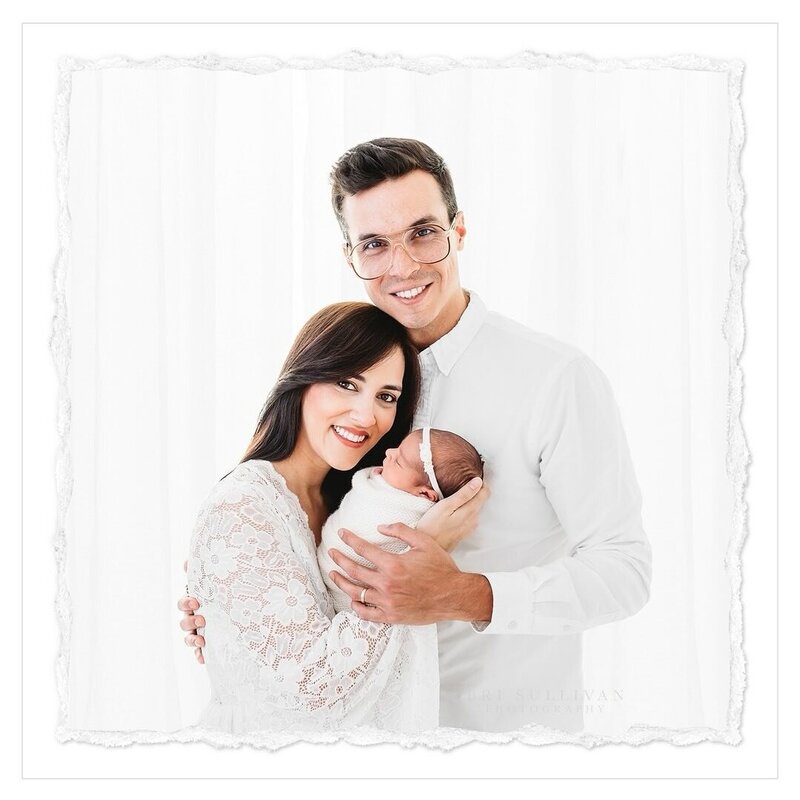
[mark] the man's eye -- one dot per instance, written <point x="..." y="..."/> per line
<point x="372" y="245"/>
<point x="422" y="232"/>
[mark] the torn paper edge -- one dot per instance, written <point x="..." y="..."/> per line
<point x="733" y="329"/>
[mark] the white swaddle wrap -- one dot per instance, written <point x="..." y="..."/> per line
<point x="371" y="502"/>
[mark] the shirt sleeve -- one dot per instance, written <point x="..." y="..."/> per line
<point x="588" y="477"/>
<point x="271" y="637"/>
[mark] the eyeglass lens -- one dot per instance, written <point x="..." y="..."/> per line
<point x="426" y="244"/>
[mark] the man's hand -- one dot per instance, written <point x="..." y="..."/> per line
<point x="417" y="587"/>
<point x="191" y="622"/>
<point x="455" y="517"/>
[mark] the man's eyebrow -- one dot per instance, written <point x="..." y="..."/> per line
<point x="421" y="221"/>
<point x="388" y="385"/>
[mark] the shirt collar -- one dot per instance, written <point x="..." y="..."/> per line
<point x="450" y="347"/>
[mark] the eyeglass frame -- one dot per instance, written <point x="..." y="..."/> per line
<point x="348" y="248"/>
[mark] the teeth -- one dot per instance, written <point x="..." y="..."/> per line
<point x="410" y="293"/>
<point x="351" y="437"/>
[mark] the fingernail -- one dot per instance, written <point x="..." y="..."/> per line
<point x="341" y="533"/>
<point x="193" y="604"/>
<point x="475" y="483"/>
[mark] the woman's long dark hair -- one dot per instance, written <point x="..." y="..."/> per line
<point x="338" y="342"/>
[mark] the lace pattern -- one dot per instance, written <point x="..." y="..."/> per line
<point x="277" y="655"/>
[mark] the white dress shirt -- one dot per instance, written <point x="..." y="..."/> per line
<point x="560" y="538"/>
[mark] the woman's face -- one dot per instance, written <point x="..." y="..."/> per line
<point x="345" y="420"/>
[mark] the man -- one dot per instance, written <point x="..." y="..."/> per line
<point x="560" y="546"/>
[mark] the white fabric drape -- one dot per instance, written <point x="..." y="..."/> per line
<point x="596" y="203"/>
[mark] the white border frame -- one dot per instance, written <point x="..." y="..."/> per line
<point x="737" y="455"/>
<point x="756" y="42"/>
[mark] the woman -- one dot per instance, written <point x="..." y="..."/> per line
<point x="278" y="657"/>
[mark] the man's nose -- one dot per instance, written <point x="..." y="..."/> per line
<point x="402" y="263"/>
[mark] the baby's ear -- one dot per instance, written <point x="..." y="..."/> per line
<point x="426" y="491"/>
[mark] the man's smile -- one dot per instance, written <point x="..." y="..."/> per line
<point x="411" y="294"/>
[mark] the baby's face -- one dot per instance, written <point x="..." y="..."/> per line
<point x="402" y="467"/>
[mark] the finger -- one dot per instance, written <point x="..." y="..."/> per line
<point x="462" y="496"/>
<point x="408" y="535"/>
<point x="357" y="572"/>
<point x="198" y="654"/>
<point x="188" y="604"/>
<point x="351" y="589"/>
<point x="188" y="623"/>
<point x="194" y="640"/>
<point x="484" y="494"/>
<point x="367" y="550"/>
<point x="371" y="613"/>
<point x="354" y="590"/>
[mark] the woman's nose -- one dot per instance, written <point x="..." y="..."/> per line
<point x="363" y="414"/>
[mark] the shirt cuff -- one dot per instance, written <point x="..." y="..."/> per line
<point x="512" y="608"/>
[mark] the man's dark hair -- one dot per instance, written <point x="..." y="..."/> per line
<point x="455" y="461"/>
<point x="370" y="163"/>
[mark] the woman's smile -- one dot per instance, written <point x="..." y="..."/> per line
<point x="351" y="437"/>
<point x="345" y="419"/>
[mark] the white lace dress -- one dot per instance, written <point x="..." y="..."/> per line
<point x="277" y="656"/>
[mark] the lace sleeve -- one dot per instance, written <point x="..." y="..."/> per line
<point x="277" y="656"/>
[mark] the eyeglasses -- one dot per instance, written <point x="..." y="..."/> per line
<point x="425" y="244"/>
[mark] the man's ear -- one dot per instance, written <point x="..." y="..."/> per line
<point x="460" y="230"/>
<point x="426" y="491"/>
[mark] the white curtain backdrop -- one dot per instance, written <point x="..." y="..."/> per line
<point x="201" y="237"/>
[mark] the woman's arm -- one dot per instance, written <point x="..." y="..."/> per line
<point x="261" y="603"/>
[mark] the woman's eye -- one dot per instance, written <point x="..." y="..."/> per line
<point x="387" y="398"/>
<point x="346" y="385"/>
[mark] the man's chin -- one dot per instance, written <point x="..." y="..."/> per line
<point x="410" y="317"/>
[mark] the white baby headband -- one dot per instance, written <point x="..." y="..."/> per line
<point x="426" y="455"/>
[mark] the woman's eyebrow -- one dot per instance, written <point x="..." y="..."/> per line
<point x="387" y="386"/>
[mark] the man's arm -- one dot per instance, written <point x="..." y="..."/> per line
<point x="588" y="478"/>
<point x="586" y="471"/>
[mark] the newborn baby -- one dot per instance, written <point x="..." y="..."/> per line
<point x="428" y="465"/>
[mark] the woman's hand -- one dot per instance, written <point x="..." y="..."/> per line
<point x="455" y="517"/>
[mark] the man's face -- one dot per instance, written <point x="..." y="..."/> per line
<point x="394" y="206"/>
